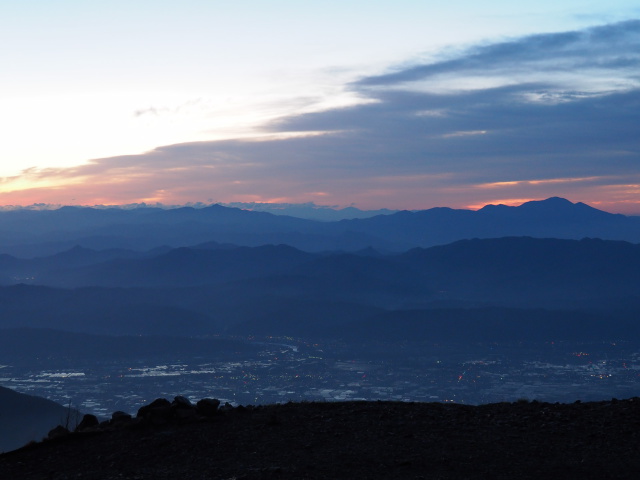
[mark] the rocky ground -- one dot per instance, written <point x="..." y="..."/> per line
<point x="354" y="440"/>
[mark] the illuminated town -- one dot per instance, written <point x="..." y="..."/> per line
<point x="285" y="370"/>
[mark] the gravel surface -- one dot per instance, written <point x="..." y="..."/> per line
<point x="354" y="440"/>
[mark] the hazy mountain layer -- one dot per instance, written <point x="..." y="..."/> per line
<point x="29" y="233"/>
<point x="278" y="289"/>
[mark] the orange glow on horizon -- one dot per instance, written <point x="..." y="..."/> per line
<point x="395" y="193"/>
<point x="510" y="202"/>
<point x="514" y="183"/>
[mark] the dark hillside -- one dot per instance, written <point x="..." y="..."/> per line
<point x="359" y="440"/>
<point x="25" y="418"/>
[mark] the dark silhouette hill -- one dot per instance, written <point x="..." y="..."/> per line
<point x="364" y="440"/>
<point x="26" y="418"/>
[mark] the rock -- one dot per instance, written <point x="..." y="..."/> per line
<point x="183" y="414"/>
<point x="119" y="418"/>
<point x="160" y="408"/>
<point x="182" y="402"/>
<point x="182" y="409"/>
<point x="58" y="432"/>
<point x="88" y="422"/>
<point x="208" y="407"/>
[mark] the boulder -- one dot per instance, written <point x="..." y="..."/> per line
<point x="120" y="418"/>
<point x="58" y="432"/>
<point x="157" y="412"/>
<point x="208" y="407"/>
<point x="182" y="409"/>
<point x="181" y="402"/>
<point x="88" y="422"/>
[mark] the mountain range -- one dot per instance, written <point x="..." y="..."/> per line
<point x="211" y="286"/>
<point x="106" y="283"/>
<point x="32" y="233"/>
<point x="203" y="291"/>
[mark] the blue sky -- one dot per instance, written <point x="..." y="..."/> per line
<point x="410" y="104"/>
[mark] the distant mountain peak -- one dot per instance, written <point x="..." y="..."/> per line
<point x="552" y="202"/>
<point x="556" y="200"/>
<point x="552" y="207"/>
<point x="549" y="202"/>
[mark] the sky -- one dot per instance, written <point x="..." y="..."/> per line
<point x="377" y="104"/>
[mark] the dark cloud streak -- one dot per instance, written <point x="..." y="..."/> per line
<point x="618" y="43"/>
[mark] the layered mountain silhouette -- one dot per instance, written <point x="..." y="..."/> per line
<point x="279" y="289"/>
<point x="29" y="233"/>
<point x="511" y="270"/>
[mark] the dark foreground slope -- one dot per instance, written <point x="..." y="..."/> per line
<point x="355" y="440"/>
<point x="24" y="418"/>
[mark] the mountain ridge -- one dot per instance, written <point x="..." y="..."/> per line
<point x="34" y="233"/>
<point x="195" y="291"/>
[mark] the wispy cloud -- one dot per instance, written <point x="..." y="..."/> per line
<point x="560" y="117"/>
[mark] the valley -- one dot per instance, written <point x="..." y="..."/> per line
<point x="285" y="369"/>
